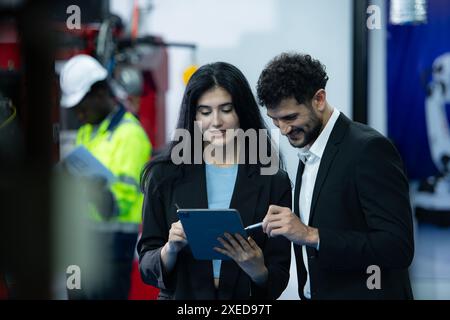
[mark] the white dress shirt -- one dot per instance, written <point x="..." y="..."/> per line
<point x="312" y="156"/>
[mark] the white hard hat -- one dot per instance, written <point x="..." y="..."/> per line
<point x="76" y="78"/>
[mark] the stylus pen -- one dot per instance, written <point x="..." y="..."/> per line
<point x="178" y="208"/>
<point x="254" y="226"/>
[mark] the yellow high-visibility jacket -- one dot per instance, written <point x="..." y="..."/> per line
<point x="121" y="145"/>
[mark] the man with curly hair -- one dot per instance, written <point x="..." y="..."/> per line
<point x="352" y="224"/>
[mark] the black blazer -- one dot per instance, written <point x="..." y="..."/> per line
<point x="362" y="210"/>
<point x="193" y="279"/>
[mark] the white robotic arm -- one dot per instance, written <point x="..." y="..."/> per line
<point x="436" y="118"/>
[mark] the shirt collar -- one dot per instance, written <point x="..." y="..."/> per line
<point x="318" y="147"/>
<point x="103" y="126"/>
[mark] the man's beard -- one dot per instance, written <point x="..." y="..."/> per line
<point x="308" y="136"/>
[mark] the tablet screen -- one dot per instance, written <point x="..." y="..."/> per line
<point x="204" y="226"/>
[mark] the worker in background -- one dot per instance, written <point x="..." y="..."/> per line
<point x="115" y="137"/>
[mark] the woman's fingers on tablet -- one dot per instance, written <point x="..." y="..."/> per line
<point x="233" y="242"/>
<point x="226" y="244"/>
<point x="244" y="244"/>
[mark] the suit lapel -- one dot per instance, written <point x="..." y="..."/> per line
<point x="327" y="160"/>
<point x="190" y="192"/>
<point x="329" y="154"/>
<point x="244" y="199"/>
<point x="245" y="193"/>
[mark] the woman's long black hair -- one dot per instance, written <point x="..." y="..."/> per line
<point x="218" y="74"/>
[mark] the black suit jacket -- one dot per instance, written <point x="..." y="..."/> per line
<point x="193" y="279"/>
<point x="362" y="210"/>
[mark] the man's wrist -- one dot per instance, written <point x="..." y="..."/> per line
<point x="312" y="239"/>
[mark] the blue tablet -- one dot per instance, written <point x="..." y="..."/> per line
<point x="204" y="226"/>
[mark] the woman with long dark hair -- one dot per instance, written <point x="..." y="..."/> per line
<point x="217" y="100"/>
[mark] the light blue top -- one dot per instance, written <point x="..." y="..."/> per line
<point x="219" y="186"/>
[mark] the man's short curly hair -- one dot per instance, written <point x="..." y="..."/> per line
<point x="290" y="75"/>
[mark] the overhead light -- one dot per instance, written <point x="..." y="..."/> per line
<point x="403" y="12"/>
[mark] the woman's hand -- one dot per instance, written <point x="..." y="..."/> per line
<point x="177" y="238"/>
<point x="246" y="254"/>
<point x="177" y="241"/>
